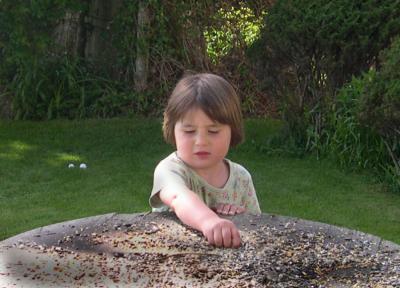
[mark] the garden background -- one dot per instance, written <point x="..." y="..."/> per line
<point x="86" y="81"/>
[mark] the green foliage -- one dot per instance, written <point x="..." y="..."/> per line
<point x="174" y="24"/>
<point x="33" y="77"/>
<point x="27" y="27"/>
<point x="310" y="48"/>
<point x="230" y="30"/>
<point x="236" y="27"/>
<point x="64" y="89"/>
<point x="380" y="112"/>
<point x="49" y="68"/>
<point x="351" y="143"/>
<point x="381" y="103"/>
<point x="363" y="127"/>
<point x="45" y="81"/>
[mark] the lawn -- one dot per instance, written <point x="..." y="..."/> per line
<point x="37" y="188"/>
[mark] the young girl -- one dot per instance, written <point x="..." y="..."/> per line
<point x="202" y="120"/>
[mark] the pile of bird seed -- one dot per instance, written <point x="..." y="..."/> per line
<point x="161" y="252"/>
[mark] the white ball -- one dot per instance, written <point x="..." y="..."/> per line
<point x="70" y="165"/>
<point x="83" y="166"/>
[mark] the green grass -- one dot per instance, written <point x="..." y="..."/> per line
<point x="37" y="188"/>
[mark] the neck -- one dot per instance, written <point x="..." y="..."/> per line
<point x="216" y="176"/>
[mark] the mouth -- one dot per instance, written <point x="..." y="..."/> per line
<point x="202" y="153"/>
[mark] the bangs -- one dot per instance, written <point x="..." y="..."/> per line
<point x="216" y="110"/>
<point x="210" y="93"/>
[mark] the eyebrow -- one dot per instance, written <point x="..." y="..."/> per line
<point x="190" y="125"/>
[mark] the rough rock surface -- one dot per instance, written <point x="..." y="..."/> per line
<point x="156" y="250"/>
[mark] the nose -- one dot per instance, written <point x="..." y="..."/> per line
<point x="201" y="139"/>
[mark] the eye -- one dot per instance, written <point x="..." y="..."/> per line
<point x="188" y="131"/>
<point x="213" y="131"/>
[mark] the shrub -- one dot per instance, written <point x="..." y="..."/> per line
<point x="381" y="102"/>
<point x="380" y="112"/>
<point x="310" y="48"/>
<point x="346" y="138"/>
<point x="132" y="53"/>
<point x="363" y="126"/>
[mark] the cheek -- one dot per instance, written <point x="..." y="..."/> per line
<point x="177" y="137"/>
<point x="228" y="137"/>
<point x="181" y="141"/>
<point x="224" y="143"/>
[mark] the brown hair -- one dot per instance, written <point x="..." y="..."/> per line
<point x="212" y="94"/>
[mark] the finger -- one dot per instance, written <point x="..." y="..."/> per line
<point x="220" y="208"/>
<point x="211" y="240"/>
<point x="232" y="210"/>
<point x="240" y="210"/>
<point x="217" y="235"/>
<point x="227" y="237"/>
<point x="210" y="237"/>
<point x="235" y="238"/>
<point x="226" y="209"/>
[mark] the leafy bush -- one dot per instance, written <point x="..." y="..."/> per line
<point x="238" y="27"/>
<point x="65" y="88"/>
<point x="380" y="112"/>
<point x="310" y="48"/>
<point x="27" y="67"/>
<point x="40" y="78"/>
<point x="346" y="139"/>
<point x="381" y="102"/>
<point x="30" y="86"/>
<point x="363" y="126"/>
<point x="308" y="51"/>
<point x="80" y="58"/>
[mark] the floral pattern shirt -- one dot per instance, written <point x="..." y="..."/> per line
<point x="238" y="190"/>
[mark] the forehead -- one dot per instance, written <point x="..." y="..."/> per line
<point x="196" y="117"/>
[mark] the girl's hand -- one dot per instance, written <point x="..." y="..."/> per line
<point x="228" y="209"/>
<point x="221" y="232"/>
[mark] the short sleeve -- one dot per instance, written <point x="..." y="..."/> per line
<point x="168" y="171"/>
<point x="249" y="196"/>
<point x="251" y="200"/>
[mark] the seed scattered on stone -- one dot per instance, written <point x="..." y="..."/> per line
<point x="165" y="253"/>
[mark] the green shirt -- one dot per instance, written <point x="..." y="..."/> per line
<point x="238" y="190"/>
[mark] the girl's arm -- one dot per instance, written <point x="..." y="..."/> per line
<point x="192" y="211"/>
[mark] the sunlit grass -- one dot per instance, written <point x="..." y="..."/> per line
<point x="59" y="159"/>
<point x="37" y="188"/>
<point x="14" y="150"/>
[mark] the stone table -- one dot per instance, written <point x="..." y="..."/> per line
<point x="156" y="250"/>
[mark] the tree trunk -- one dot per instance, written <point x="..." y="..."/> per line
<point x="68" y="32"/>
<point x="142" y="47"/>
<point x="98" y="47"/>
<point x="85" y="33"/>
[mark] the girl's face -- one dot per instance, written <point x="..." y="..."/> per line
<point x="201" y="142"/>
